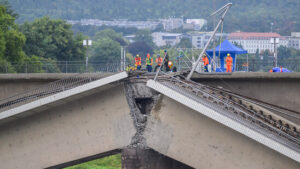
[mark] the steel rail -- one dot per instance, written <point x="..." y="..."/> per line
<point x="55" y="87"/>
<point x="274" y="108"/>
<point x="237" y="109"/>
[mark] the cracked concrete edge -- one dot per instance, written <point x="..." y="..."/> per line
<point x="139" y="119"/>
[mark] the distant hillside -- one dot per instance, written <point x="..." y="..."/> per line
<point x="245" y="15"/>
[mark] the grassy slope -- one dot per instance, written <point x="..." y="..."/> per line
<point x="111" y="162"/>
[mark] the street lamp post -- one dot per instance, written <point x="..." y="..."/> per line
<point x="272" y="26"/>
<point x="123" y="58"/>
<point x="87" y="43"/>
<point x="222" y="11"/>
<point x="275" y="41"/>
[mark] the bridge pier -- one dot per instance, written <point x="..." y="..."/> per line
<point x="137" y="158"/>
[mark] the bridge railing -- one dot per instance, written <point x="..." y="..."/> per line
<point x="60" y="67"/>
<point x="259" y="65"/>
<point x="57" y="86"/>
<point x="204" y="95"/>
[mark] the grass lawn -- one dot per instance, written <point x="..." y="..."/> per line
<point x="110" y="162"/>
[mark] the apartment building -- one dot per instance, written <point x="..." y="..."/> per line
<point x="251" y="41"/>
<point x="294" y="40"/>
<point x="162" y="38"/>
<point x="199" y="39"/>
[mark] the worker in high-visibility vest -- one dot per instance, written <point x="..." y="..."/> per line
<point x="149" y="62"/>
<point x="166" y="61"/>
<point x="206" y="62"/>
<point x="159" y="62"/>
<point x="229" y="61"/>
<point x="138" y="62"/>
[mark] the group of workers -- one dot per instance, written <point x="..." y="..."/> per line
<point x="160" y="63"/>
<point x="167" y="64"/>
<point x="228" y="60"/>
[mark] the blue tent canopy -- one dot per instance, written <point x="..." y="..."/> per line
<point x="223" y="49"/>
<point x="278" y="69"/>
<point x="227" y="47"/>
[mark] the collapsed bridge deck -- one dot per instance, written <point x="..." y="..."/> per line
<point x="276" y="128"/>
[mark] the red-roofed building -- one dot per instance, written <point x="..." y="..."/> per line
<point x="251" y="41"/>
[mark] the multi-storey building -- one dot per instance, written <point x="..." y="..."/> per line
<point x="171" y="23"/>
<point x="294" y="40"/>
<point x="197" y="24"/>
<point x="199" y="39"/>
<point x="162" y="38"/>
<point x="253" y="41"/>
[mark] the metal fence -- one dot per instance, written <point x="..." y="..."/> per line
<point x="251" y="65"/>
<point x="258" y="65"/>
<point x="49" y="89"/>
<point x="60" y="67"/>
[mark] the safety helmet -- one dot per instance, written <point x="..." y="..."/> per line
<point x="170" y="64"/>
<point x="228" y="54"/>
<point x="204" y="54"/>
<point x="137" y="55"/>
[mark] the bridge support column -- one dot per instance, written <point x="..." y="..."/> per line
<point x="137" y="158"/>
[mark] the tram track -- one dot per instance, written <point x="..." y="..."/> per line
<point x="270" y="118"/>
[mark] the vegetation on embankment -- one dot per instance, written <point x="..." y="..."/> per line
<point x="110" y="162"/>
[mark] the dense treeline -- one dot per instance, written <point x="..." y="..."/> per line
<point x="32" y="46"/>
<point x="246" y="15"/>
<point x="49" y="45"/>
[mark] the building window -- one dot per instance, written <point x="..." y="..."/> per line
<point x="169" y="37"/>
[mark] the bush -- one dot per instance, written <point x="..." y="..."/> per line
<point x="6" y="67"/>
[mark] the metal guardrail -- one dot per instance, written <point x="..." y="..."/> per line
<point x="255" y="65"/>
<point x="189" y="89"/>
<point x="222" y="111"/>
<point x="56" y="87"/>
<point x="60" y="67"/>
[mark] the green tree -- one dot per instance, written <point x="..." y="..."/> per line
<point x="6" y="67"/>
<point x="144" y="35"/>
<point x="266" y="55"/>
<point x="51" y="38"/>
<point x="11" y="40"/>
<point x="111" y="34"/>
<point x="107" y="46"/>
<point x="284" y="53"/>
<point x="106" y="49"/>
<point x="15" y="41"/>
<point x="246" y="15"/>
<point x="141" y="48"/>
<point x="9" y="10"/>
<point x="185" y="43"/>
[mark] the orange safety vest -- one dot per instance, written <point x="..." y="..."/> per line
<point x="159" y="61"/>
<point x="229" y="60"/>
<point x="138" y="61"/>
<point x="205" y="60"/>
